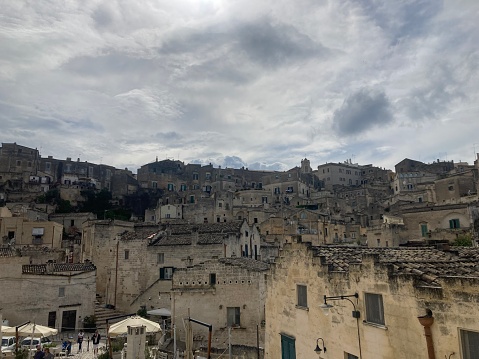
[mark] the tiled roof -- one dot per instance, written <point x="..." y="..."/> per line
<point x="138" y="234"/>
<point x="58" y="267"/>
<point x="222" y="227"/>
<point x="426" y="264"/>
<point x="247" y="263"/>
<point x="182" y="234"/>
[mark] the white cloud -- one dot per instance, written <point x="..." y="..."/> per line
<point x="240" y="82"/>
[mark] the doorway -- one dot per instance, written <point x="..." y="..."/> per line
<point x="68" y="320"/>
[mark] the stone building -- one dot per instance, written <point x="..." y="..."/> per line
<point x="456" y="188"/>
<point x="20" y="231"/>
<point x="136" y="262"/>
<point x="226" y="293"/>
<point x="402" y="294"/>
<point x="18" y="163"/>
<point x="411" y="174"/>
<point x="58" y="295"/>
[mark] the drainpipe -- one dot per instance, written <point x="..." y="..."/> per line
<point x="426" y="321"/>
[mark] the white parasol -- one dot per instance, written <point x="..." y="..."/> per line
<point x="121" y="327"/>
<point x="31" y="330"/>
<point x="162" y="312"/>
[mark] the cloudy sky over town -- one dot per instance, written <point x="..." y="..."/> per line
<point x="255" y="83"/>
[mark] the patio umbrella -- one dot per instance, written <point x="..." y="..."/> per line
<point x="31" y="330"/>
<point x="162" y="312"/>
<point x="122" y="326"/>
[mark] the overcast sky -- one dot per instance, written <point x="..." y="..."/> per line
<point x="259" y="83"/>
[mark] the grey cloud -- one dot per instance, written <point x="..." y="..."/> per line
<point x="168" y="136"/>
<point x="362" y="110"/>
<point x="403" y="19"/>
<point x="273" y="45"/>
<point x="262" y="42"/>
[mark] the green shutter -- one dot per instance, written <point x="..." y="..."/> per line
<point x="424" y="230"/>
<point x="288" y="350"/>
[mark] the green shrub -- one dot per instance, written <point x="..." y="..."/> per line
<point x="142" y="312"/>
<point x="89" y="323"/>
<point x="21" y="354"/>
<point x="463" y="241"/>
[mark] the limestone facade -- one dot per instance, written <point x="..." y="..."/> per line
<point x="225" y="292"/>
<point x="394" y="286"/>
<point x="54" y="294"/>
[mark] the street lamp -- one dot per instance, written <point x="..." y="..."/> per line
<point x="318" y="350"/>
<point x="326" y="307"/>
<point x="356" y="314"/>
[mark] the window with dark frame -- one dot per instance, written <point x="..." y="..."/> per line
<point x="469" y="344"/>
<point x="127" y="254"/>
<point x="233" y="316"/>
<point x="454" y="223"/>
<point x="374" y="308"/>
<point x="166" y="273"/>
<point x="302" y="293"/>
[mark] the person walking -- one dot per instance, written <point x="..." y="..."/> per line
<point x="95" y="339"/>
<point x="80" y="340"/>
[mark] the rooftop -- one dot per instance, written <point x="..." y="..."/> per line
<point x="57" y="268"/>
<point x="427" y="264"/>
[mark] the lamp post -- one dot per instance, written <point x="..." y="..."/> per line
<point x="355" y="313"/>
<point x="318" y="350"/>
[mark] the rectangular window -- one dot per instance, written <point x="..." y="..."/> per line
<point x="127" y="254"/>
<point x="192" y="199"/>
<point x="302" y="292"/>
<point x="212" y="278"/>
<point x="454" y="223"/>
<point x="264" y="199"/>
<point x="72" y="223"/>
<point x="166" y="273"/>
<point x="61" y="291"/>
<point x="469" y="344"/>
<point x="170" y="186"/>
<point x="374" y="308"/>
<point x="154" y="184"/>
<point x="424" y="230"/>
<point x="19" y="163"/>
<point x="48" y="166"/>
<point x="160" y="258"/>
<point x="195" y="176"/>
<point x="233" y="316"/>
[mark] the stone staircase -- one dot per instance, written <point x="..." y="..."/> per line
<point x="102" y="314"/>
